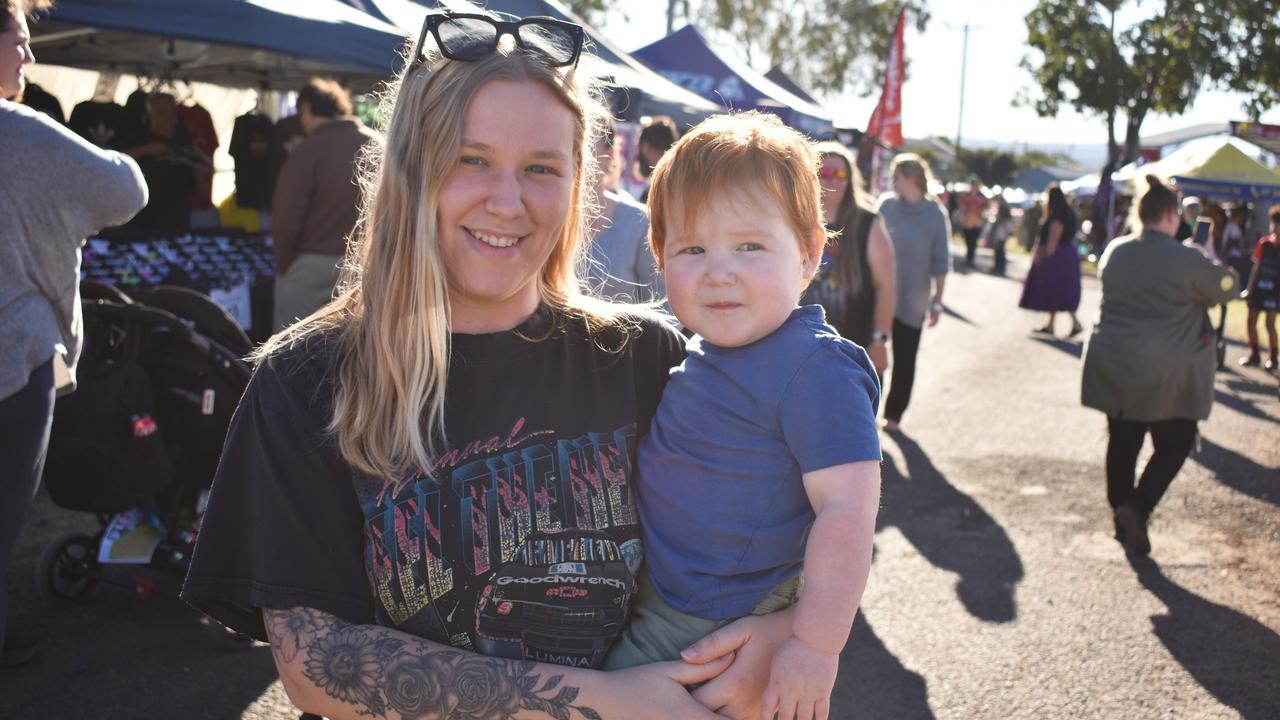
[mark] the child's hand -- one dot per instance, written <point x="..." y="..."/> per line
<point x="800" y="682"/>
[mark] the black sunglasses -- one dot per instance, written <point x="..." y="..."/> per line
<point x="469" y="37"/>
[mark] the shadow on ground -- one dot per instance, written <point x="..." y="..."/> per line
<point x="874" y="684"/>
<point x="952" y="532"/>
<point x="1070" y="347"/>
<point x="112" y="655"/>
<point x="1239" y="472"/>
<point x="1239" y="404"/>
<point x="1231" y="655"/>
<point x="951" y="313"/>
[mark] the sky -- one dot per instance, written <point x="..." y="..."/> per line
<point x="931" y="93"/>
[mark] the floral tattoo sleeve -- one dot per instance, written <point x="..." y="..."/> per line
<point x="369" y="668"/>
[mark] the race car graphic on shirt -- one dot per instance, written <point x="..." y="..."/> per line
<point x="563" y="599"/>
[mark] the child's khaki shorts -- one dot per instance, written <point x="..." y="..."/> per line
<point x="658" y="632"/>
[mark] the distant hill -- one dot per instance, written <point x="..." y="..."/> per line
<point x="1088" y="155"/>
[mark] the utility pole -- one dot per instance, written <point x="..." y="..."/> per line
<point x="964" y="61"/>
<point x="671" y="16"/>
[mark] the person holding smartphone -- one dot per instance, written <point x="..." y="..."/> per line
<point x="1150" y="361"/>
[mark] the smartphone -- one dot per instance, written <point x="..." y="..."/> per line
<point x="1201" y="234"/>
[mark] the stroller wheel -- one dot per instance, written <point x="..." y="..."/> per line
<point x="68" y="568"/>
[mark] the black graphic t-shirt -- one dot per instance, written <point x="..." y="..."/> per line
<point x="522" y="542"/>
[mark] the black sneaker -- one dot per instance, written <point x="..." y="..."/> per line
<point x="1270" y="364"/>
<point x="19" y="649"/>
<point x="1251" y="361"/>
<point x="1134" y="529"/>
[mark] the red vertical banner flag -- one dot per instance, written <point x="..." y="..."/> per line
<point x="886" y="121"/>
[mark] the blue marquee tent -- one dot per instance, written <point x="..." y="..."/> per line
<point x="687" y="58"/>
<point x="244" y="43"/>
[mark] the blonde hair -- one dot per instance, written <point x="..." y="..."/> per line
<point x="29" y="8"/>
<point x="748" y="151"/>
<point x="392" y="312"/>
<point x="914" y="168"/>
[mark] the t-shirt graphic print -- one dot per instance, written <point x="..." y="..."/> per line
<point x="544" y="542"/>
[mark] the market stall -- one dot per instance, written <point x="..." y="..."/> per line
<point x="1214" y="168"/>
<point x="689" y="59"/>
<point x="236" y="43"/>
<point x="138" y="50"/>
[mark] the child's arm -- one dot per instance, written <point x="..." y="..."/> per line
<point x="1253" y="279"/>
<point x="837" y="560"/>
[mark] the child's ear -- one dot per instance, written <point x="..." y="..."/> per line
<point x="813" y="253"/>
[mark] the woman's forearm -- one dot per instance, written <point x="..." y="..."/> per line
<point x="880" y="257"/>
<point x="342" y="670"/>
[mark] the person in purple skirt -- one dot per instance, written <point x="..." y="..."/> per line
<point x="1053" y="284"/>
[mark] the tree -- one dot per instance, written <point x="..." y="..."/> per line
<point x="1158" y="64"/>
<point x="994" y="167"/>
<point x="592" y="10"/>
<point x="998" y="167"/>
<point x="825" y="45"/>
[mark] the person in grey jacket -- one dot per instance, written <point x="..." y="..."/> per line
<point x="622" y="266"/>
<point x="57" y="189"/>
<point x="920" y="231"/>
<point x="1150" y="361"/>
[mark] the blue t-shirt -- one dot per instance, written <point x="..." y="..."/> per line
<point x="723" y="509"/>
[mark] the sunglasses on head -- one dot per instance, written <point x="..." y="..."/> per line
<point x="829" y="173"/>
<point x="469" y="37"/>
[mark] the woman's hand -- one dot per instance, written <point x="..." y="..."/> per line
<point x="657" y="690"/>
<point x="879" y="355"/>
<point x="737" y="692"/>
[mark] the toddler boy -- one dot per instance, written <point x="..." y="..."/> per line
<point x="763" y="458"/>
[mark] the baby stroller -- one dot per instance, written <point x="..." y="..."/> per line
<point x="138" y="442"/>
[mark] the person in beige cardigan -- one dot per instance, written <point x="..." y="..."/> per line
<point x="1150" y="360"/>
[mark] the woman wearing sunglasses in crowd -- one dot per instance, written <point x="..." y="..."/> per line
<point x="423" y="503"/>
<point x="855" y="284"/>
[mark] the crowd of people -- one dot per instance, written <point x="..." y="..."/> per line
<point x="505" y="356"/>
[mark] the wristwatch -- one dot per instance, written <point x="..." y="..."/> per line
<point x="881" y="336"/>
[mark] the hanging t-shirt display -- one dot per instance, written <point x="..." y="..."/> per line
<point x="104" y="124"/>
<point x="170" y="179"/>
<point x="250" y="147"/>
<point x="522" y="542"/>
<point x="203" y="138"/>
<point x="34" y="96"/>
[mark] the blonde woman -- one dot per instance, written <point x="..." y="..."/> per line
<point x="425" y="495"/>
<point x="920" y="231"/>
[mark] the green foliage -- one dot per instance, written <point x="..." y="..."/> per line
<point x="825" y="45"/>
<point x="998" y="167"/>
<point x="1158" y="64"/>
<point x="592" y="10"/>
<point x="995" y="167"/>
